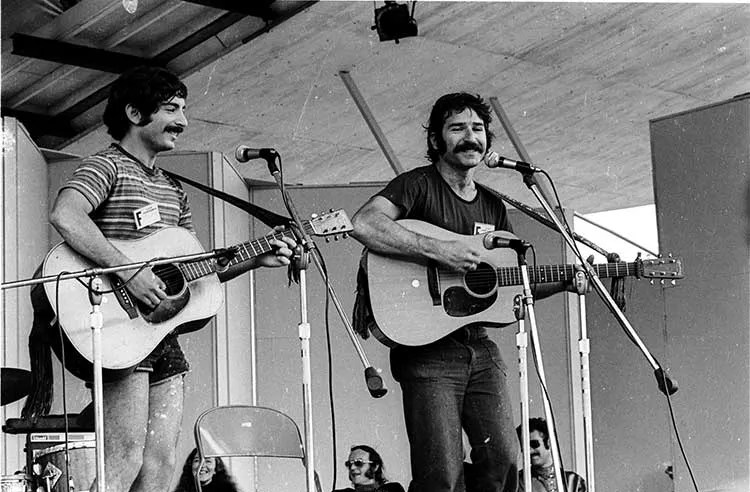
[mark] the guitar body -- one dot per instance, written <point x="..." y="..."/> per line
<point x="129" y="336"/>
<point x="409" y="312"/>
<point x="416" y="302"/>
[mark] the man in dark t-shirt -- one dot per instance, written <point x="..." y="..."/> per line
<point x="459" y="381"/>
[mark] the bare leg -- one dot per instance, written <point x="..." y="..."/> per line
<point x="164" y="424"/>
<point x="125" y="423"/>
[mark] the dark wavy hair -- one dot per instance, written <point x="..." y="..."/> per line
<point x="376" y="469"/>
<point x="222" y="480"/>
<point x="144" y="88"/>
<point x="536" y="424"/>
<point x="445" y="107"/>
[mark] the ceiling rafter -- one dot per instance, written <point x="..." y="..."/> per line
<point x="78" y="55"/>
<point x="153" y="16"/>
<point x="257" y="8"/>
<point x="73" y="56"/>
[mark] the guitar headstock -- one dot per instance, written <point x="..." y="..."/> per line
<point x="331" y="223"/>
<point x="662" y="268"/>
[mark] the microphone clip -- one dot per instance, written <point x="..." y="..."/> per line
<point x="223" y="256"/>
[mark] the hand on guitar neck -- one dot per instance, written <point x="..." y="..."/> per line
<point x="282" y="244"/>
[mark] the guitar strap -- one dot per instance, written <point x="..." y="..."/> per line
<point x="269" y="218"/>
<point x="544" y="220"/>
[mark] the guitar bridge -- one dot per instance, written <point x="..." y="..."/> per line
<point x="433" y="284"/>
<point x="123" y="296"/>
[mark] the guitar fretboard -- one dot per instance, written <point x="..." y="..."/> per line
<point x="242" y="253"/>
<point x="558" y="273"/>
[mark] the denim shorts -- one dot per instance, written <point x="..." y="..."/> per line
<point x="167" y="360"/>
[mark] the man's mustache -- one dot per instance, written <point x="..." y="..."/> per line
<point x="468" y="146"/>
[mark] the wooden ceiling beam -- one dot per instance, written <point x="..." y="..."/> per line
<point x="257" y="8"/>
<point x="39" y="124"/>
<point x="75" y="54"/>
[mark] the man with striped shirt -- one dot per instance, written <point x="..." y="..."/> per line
<point x="119" y="193"/>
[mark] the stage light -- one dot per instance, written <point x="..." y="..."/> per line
<point x="394" y="22"/>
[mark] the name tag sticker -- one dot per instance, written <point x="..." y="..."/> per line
<point x="145" y="216"/>
<point x="480" y="228"/>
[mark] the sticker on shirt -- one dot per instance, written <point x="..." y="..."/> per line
<point x="145" y="216"/>
<point x="481" y="228"/>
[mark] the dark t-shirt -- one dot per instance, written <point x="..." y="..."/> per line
<point x="423" y="194"/>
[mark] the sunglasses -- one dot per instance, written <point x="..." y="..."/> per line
<point x="357" y="463"/>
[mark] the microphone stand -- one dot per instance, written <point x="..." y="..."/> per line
<point x="528" y="301"/>
<point x="664" y="382"/>
<point x="308" y="248"/>
<point x="522" y="342"/>
<point x="300" y="264"/>
<point x="584" y="348"/>
<point x="96" y="324"/>
<point x="95" y="298"/>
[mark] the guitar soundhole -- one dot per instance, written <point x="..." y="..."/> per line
<point x="482" y="281"/>
<point x="178" y="295"/>
<point x="172" y="278"/>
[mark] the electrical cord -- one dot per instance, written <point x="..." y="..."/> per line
<point x="324" y="273"/>
<point x="64" y="386"/>
<point x="541" y="382"/>
<point x="630" y="337"/>
<point x="330" y="367"/>
<point x="61" y="336"/>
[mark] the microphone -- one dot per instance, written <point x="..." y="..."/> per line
<point x="493" y="160"/>
<point x="375" y="383"/>
<point x="245" y="153"/>
<point x="494" y="240"/>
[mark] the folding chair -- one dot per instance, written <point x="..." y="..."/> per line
<point x="243" y="430"/>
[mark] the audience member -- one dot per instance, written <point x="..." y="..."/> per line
<point x="213" y="475"/>
<point x="367" y="472"/>
<point x="542" y="469"/>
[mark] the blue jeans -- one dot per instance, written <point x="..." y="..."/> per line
<point x="457" y="382"/>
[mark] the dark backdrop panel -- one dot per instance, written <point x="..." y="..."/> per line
<point x="630" y="415"/>
<point x="701" y="160"/>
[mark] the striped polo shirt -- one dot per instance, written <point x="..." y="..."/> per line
<point x="117" y="185"/>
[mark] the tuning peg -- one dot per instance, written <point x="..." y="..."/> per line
<point x="651" y="281"/>
<point x="314" y="216"/>
<point x="328" y="240"/>
<point x="345" y="235"/>
<point x="674" y="282"/>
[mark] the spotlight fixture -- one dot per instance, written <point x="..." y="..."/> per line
<point x="394" y="22"/>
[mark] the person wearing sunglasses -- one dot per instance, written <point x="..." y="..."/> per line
<point x="542" y="469"/>
<point x="366" y="472"/>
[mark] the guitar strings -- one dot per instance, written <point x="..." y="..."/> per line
<point x="187" y="270"/>
<point x="554" y="273"/>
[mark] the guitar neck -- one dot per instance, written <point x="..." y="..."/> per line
<point x="559" y="273"/>
<point x="242" y="252"/>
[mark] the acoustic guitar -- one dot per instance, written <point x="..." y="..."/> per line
<point x="416" y="302"/>
<point x="131" y="330"/>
